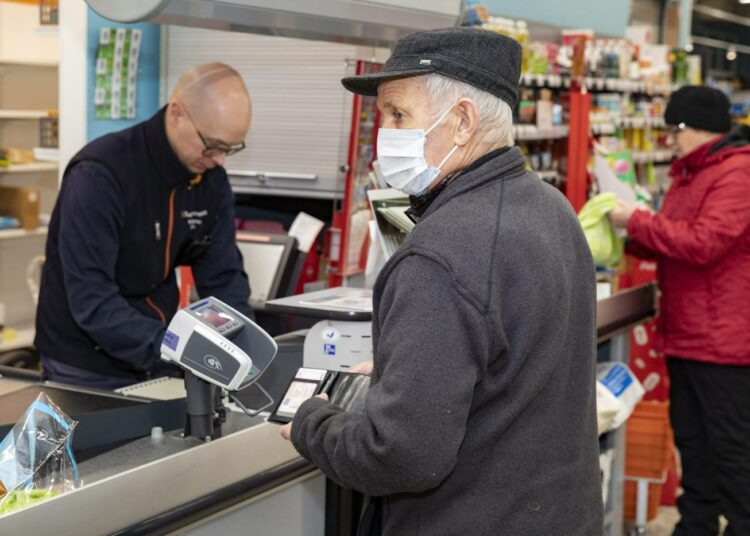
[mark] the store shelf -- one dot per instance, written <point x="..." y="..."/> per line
<point x="595" y="84"/>
<point x="544" y="80"/>
<point x="46" y="154"/>
<point x="610" y="126"/>
<point x="7" y="234"/>
<point x="550" y="176"/>
<point x="24" y="338"/>
<point x="30" y="168"/>
<point x="532" y="132"/>
<point x="622" y="310"/>
<point x="605" y="129"/>
<point x="642" y="122"/>
<point x="646" y="157"/>
<point x="26" y="114"/>
<point x="11" y="62"/>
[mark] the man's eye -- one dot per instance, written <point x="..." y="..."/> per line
<point x="398" y="116"/>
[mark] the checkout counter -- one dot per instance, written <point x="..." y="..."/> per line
<point x="250" y="480"/>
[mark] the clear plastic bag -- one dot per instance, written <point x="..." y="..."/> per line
<point x="36" y="458"/>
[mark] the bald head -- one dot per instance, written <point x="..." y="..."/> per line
<point x="213" y="89"/>
<point x="209" y="100"/>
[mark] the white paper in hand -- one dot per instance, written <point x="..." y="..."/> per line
<point x="305" y="229"/>
<point x="609" y="182"/>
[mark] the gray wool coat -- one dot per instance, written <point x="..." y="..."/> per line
<point x="481" y="416"/>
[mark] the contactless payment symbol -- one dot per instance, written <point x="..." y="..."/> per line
<point x="330" y="334"/>
<point x="329" y="349"/>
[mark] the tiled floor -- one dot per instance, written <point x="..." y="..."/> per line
<point x="663" y="524"/>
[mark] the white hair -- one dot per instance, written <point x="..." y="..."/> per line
<point x="495" y="126"/>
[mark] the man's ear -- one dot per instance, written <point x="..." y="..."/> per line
<point x="468" y="121"/>
<point x="175" y="110"/>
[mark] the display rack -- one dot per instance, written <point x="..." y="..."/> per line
<point x="25" y="114"/>
<point x="33" y="167"/>
<point x="28" y="103"/>
<point x="347" y="239"/>
<point x="615" y="317"/>
<point x="532" y="132"/>
<point x="22" y="233"/>
<point x="595" y="84"/>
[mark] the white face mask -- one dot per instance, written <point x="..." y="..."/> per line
<point x="401" y="161"/>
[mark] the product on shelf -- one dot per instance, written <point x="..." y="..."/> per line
<point x="628" y="80"/>
<point x="13" y="155"/>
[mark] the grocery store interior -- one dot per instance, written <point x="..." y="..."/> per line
<point x="202" y="228"/>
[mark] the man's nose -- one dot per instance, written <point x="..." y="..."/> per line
<point x="219" y="159"/>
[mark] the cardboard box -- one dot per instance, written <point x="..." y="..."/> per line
<point x="18" y="156"/>
<point x="21" y="203"/>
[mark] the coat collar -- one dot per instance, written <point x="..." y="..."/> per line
<point x="168" y="166"/>
<point x="500" y="164"/>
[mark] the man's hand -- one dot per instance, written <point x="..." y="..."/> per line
<point x="365" y="367"/>
<point x="620" y="216"/>
<point x="286" y="430"/>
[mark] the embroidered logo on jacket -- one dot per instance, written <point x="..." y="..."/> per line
<point x="194" y="217"/>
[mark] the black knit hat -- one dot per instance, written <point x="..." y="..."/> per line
<point x="699" y="107"/>
<point x="481" y="58"/>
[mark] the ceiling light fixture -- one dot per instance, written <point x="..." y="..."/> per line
<point x="731" y="54"/>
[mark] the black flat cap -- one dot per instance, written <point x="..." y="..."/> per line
<point x="699" y="107"/>
<point x="481" y="58"/>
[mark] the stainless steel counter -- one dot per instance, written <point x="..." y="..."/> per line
<point x="144" y="487"/>
<point x="133" y="486"/>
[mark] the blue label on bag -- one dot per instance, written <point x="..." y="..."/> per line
<point x="329" y="349"/>
<point x="170" y="340"/>
<point x="617" y="380"/>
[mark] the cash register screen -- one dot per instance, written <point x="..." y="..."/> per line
<point x="214" y="316"/>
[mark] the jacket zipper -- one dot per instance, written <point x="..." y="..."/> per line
<point x="168" y="246"/>
<point x="158" y="311"/>
<point x="170" y="229"/>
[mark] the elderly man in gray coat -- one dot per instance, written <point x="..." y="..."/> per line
<point x="481" y="416"/>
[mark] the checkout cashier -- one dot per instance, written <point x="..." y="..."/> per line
<point x="134" y="205"/>
<point x="481" y="416"/>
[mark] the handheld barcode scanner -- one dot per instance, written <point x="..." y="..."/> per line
<point x="219" y="348"/>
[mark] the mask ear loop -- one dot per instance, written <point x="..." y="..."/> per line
<point x="436" y="123"/>
<point x="441" y="164"/>
<point x="440" y="119"/>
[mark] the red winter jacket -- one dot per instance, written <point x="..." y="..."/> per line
<point x="701" y="239"/>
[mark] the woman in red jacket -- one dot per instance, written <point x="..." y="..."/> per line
<point x="701" y="239"/>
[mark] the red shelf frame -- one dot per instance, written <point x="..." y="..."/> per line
<point x="339" y="235"/>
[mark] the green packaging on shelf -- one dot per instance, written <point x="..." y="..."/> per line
<point x="622" y="164"/>
<point x="527" y="111"/>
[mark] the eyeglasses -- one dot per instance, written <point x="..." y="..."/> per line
<point x="218" y="149"/>
<point x="673" y="130"/>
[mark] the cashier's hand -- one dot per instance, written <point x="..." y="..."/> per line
<point x="620" y="216"/>
<point x="286" y="430"/>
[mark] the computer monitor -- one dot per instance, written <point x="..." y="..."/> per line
<point x="268" y="260"/>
